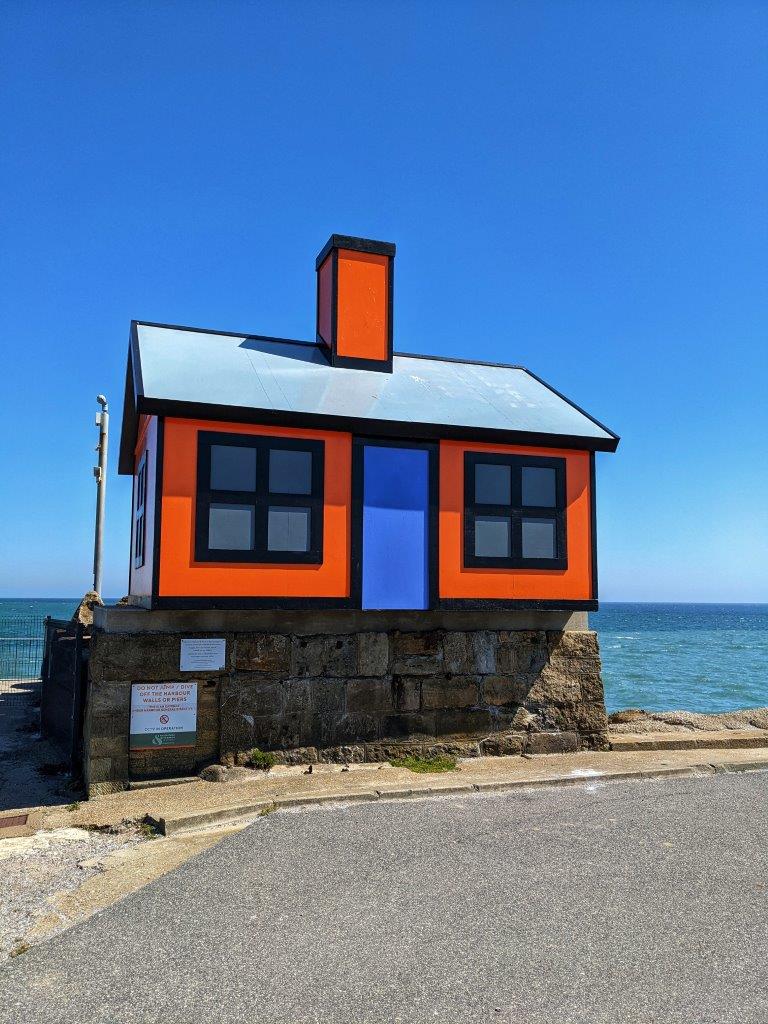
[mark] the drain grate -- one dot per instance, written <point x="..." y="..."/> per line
<point x="13" y="820"/>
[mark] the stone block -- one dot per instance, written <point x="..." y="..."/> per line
<point x="252" y="696"/>
<point x="372" y="654"/>
<point x="263" y="652"/>
<point x="370" y="696"/>
<point x="525" y="720"/>
<point x="591" y="681"/>
<point x="556" y="685"/>
<point x="521" y="652"/>
<point x="109" y="746"/>
<point x="317" y="656"/>
<point x="452" y="748"/>
<point x="109" y="697"/>
<point x="113" y="725"/>
<point x="208" y="694"/>
<point x="484" y="644"/>
<point x="406" y="693"/>
<point x="590" y="717"/>
<point x="458" y="653"/>
<point x="503" y="745"/>
<point x="571" y="644"/>
<point x="585" y="671"/>
<point x="207" y="745"/>
<point x="463" y="720"/>
<point x="297" y="755"/>
<point x="449" y="692"/>
<point x="552" y="743"/>
<point x="503" y="690"/>
<point x="108" y="769"/>
<point x="327" y="709"/>
<point x="350" y="754"/>
<point x="416" y="654"/>
<point x="142" y="657"/>
<point x="356" y="728"/>
<point x="389" y="751"/>
<point x="411" y="724"/>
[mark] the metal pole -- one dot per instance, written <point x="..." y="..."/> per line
<point x="100" y="472"/>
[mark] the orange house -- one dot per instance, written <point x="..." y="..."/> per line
<point x="271" y="473"/>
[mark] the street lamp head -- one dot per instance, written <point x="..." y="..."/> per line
<point x="102" y="402"/>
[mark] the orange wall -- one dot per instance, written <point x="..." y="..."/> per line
<point x="573" y="583"/>
<point x="182" y="576"/>
<point x="363" y="299"/>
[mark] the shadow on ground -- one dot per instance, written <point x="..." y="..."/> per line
<point x="28" y="775"/>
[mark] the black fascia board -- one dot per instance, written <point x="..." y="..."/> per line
<point x="358" y="425"/>
<point x="357" y="245"/>
<point x="347" y="604"/>
<point x="134" y="388"/>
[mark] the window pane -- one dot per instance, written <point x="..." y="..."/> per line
<point x="539" y="538"/>
<point x="492" y="536"/>
<point x="539" y="486"/>
<point x="230" y="527"/>
<point x="290" y="472"/>
<point x="233" y="468"/>
<point x="288" y="529"/>
<point x="493" y="484"/>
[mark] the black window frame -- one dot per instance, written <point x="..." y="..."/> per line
<point x="261" y="499"/>
<point x="515" y="511"/>
<point x="139" y="514"/>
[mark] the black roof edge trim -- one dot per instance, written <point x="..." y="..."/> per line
<point x="134" y="387"/>
<point x="245" y="335"/>
<point x="573" y="405"/>
<point x="357" y="425"/>
<point x="356" y="244"/>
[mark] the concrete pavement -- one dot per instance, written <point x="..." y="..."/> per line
<point x="633" y="901"/>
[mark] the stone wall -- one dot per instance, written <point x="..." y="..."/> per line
<point x="352" y="696"/>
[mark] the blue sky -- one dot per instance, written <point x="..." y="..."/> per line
<point x="580" y="187"/>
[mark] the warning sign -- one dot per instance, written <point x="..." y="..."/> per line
<point x="163" y="715"/>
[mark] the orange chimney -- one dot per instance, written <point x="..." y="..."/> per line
<point x="354" y="302"/>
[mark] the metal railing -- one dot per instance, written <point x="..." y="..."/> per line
<point x="22" y="643"/>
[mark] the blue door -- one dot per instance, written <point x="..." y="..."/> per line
<point x="395" y="557"/>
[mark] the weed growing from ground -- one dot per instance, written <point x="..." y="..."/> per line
<point x="261" y="759"/>
<point x="146" y="829"/>
<point x="74" y="806"/>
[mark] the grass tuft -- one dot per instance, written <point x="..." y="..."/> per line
<point x="261" y="759"/>
<point x="146" y="829"/>
<point x="436" y="763"/>
<point x="74" y="806"/>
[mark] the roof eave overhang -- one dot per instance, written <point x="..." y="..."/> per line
<point x="133" y="393"/>
<point x="357" y="425"/>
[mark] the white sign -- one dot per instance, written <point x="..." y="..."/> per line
<point x="203" y="655"/>
<point x="163" y="715"/>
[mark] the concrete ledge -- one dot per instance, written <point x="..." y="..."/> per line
<point x="687" y="740"/>
<point x="190" y="822"/>
<point x="158" y="783"/>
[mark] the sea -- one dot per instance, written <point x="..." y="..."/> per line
<point x="660" y="657"/>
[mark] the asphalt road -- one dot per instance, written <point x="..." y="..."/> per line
<point x="620" y="902"/>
